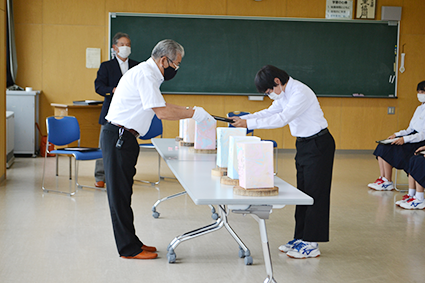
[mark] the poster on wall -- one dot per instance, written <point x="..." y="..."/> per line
<point x="366" y="9"/>
<point x="339" y="9"/>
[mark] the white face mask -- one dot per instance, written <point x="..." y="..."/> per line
<point x="421" y="97"/>
<point x="124" y="51"/>
<point x="275" y="96"/>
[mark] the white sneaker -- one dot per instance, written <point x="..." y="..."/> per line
<point x="413" y="203"/>
<point x="405" y="198"/>
<point x="385" y="186"/>
<point x="289" y="245"/>
<point x="304" y="250"/>
<point x="377" y="182"/>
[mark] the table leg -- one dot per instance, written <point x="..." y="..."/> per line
<point x="220" y="222"/>
<point x="260" y="213"/>
<point x="266" y="248"/>
<point x="244" y="252"/>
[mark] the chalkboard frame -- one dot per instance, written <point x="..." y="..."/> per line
<point x="113" y="15"/>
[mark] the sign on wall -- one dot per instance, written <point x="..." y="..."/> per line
<point x="339" y="9"/>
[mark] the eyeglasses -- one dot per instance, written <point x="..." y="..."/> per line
<point x="176" y="67"/>
<point x="268" y="92"/>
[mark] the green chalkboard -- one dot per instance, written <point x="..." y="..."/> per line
<point x="223" y="54"/>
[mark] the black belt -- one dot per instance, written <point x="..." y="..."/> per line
<point x="321" y="133"/>
<point x="133" y="132"/>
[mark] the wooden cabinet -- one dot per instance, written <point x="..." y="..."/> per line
<point x="88" y="118"/>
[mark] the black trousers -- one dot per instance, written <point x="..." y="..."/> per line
<point x="120" y="168"/>
<point x="314" y="163"/>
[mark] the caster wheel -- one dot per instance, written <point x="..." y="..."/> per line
<point x="155" y="214"/>
<point x="248" y="260"/>
<point x="214" y="216"/>
<point x="241" y="253"/>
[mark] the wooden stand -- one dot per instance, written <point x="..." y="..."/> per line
<point x="188" y="144"/>
<point x="208" y="151"/>
<point x="219" y="171"/>
<point x="263" y="192"/>
<point x="225" y="180"/>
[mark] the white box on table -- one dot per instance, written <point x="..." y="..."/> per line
<point x="223" y="135"/>
<point x="187" y="130"/>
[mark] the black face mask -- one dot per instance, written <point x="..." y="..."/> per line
<point x="169" y="73"/>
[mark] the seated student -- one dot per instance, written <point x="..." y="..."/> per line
<point x="414" y="199"/>
<point x="398" y="153"/>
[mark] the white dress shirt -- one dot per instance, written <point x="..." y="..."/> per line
<point x="416" y="124"/>
<point x="136" y="94"/>
<point x="298" y="107"/>
<point x="123" y="65"/>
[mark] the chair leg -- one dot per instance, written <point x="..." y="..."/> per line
<point x="70" y="193"/>
<point x="57" y="164"/>
<point x="395" y="182"/>
<point x="70" y="168"/>
<point x="276" y="160"/>
<point x="78" y="185"/>
<point x="159" y="175"/>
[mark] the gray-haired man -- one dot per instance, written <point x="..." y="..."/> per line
<point x="137" y="99"/>
<point x="108" y="76"/>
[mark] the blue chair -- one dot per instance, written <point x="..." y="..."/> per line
<point x="62" y="131"/>
<point x="276" y="152"/>
<point x="239" y="113"/>
<point x="154" y="131"/>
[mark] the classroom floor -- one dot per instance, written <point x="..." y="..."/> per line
<point x="49" y="237"/>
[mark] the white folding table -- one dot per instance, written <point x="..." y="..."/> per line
<point x="193" y="171"/>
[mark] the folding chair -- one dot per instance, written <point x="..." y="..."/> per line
<point x="276" y="152"/>
<point x="62" y="131"/>
<point x="397" y="184"/>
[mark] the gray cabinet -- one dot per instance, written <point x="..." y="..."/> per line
<point x="25" y="105"/>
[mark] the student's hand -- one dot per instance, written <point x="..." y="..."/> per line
<point x="113" y="91"/>
<point x="399" y="141"/>
<point x="392" y="136"/>
<point x="240" y="123"/>
<point x="419" y="149"/>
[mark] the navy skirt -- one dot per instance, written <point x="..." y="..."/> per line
<point x="417" y="169"/>
<point x="398" y="156"/>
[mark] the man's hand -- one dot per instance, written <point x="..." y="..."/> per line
<point x="201" y="115"/>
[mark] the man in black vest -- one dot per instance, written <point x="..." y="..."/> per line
<point x="108" y="76"/>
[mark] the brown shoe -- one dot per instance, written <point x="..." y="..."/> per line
<point x="149" y="249"/>
<point x="99" y="184"/>
<point x="142" y="255"/>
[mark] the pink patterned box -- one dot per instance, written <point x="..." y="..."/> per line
<point x="255" y="161"/>
<point x="205" y="134"/>
<point x="232" y="163"/>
